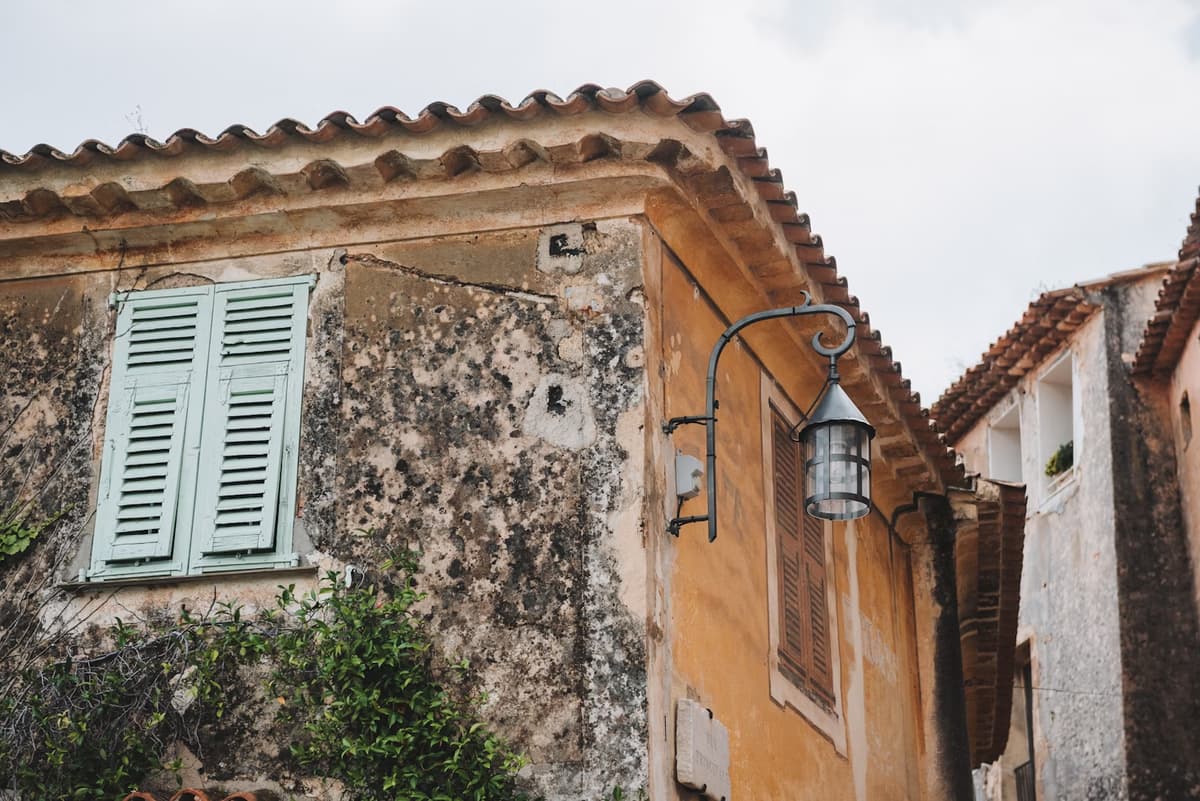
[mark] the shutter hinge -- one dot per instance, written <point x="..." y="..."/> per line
<point x="294" y="560"/>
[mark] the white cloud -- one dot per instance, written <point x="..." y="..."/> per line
<point x="953" y="155"/>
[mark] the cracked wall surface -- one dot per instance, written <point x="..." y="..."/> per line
<point x="477" y="398"/>
<point x="1068" y="588"/>
<point x="482" y="427"/>
<point x="1106" y="584"/>
<point x="51" y="337"/>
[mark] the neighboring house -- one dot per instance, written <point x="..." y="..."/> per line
<point x="1167" y="365"/>
<point x="1107" y="678"/>
<point x="240" y="360"/>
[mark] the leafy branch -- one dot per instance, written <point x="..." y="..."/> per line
<point x="351" y="669"/>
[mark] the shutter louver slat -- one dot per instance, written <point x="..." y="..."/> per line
<point x="786" y="463"/>
<point x="242" y="504"/>
<point x="258" y="327"/>
<point x="259" y="335"/>
<point x="816" y="607"/>
<point x="156" y="357"/>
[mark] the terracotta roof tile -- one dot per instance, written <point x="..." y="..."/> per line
<point x="700" y="111"/>
<point x="1175" y="311"/>
<point x="1046" y="324"/>
<point x="721" y="198"/>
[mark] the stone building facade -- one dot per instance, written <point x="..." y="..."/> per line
<point x="1106" y="683"/>
<point x="484" y="318"/>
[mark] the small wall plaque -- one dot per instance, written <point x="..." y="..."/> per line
<point x="701" y="751"/>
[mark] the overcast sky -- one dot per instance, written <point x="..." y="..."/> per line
<point x="956" y="155"/>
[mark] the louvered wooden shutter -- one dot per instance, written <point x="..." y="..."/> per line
<point x="159" y="352"/>
<point x="816" y="609"/>
<point x="789" y="547"/>
<point x="251" y="417"/>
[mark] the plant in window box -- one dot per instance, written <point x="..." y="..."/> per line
<point x="1062" y="460"/>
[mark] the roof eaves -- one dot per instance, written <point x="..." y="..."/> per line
<point x="1044" y="326"/>
<point x="1175" y="311"/>
<point x="698" y="112"/>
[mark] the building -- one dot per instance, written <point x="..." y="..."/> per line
<point x="1105" y="687"/>
<point x="464" y="331"/>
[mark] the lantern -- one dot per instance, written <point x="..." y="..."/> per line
<point x="837" y="458"/>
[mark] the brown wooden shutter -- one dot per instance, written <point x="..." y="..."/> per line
<point x="820" y="673"/>
<point x="789" y="547"/>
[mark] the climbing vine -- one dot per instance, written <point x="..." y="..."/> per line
<point x="18" y="531"/>
<point x="351" y="670"/>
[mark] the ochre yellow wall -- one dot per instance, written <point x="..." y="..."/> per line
<point x="716" y="640"/>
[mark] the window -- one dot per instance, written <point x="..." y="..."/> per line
<point x="1004" y="446"/>
<point x="803" y="622"/>
<point x="800" y="550"/>
<point x="1056" y="425"/>
<point x="1018" y="768"/>
<point x="198" y="471"/>
<point x="1185" y="420"/>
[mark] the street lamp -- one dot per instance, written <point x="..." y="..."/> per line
<point x="836" y="436"/>
<point x="837" y="455"/>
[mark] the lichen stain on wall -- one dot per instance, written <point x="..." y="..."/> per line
<point x="457" y="400"/>
<point x="480" y="418"/>
<point x="51" y="335"/>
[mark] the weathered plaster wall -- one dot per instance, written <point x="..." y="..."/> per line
<point x="66" y="433"/>
<point x="1186" y="380"/>
<point x="712" y="603"/>
<point x="476" y="397"/>
<point x="52" y="335"/>
<point x="492" y="418"/>
<point x="1068" y="586"/>
<point x="1160" y="632"/>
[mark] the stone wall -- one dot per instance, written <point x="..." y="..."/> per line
<point x="1160" y="633"/>
<point x="477" y="398"/>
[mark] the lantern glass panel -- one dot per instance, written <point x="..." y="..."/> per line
<point x="837" y="470"/>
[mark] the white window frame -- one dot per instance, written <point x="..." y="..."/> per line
<point x="1000" y="423"/>
<point x="830" y="722"/>
<point x="1050" y="486"/>
<point x="205" y="384"/>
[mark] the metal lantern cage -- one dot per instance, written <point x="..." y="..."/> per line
<point x="837" y="457"/>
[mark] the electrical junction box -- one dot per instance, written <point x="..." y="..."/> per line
<point x="688" y="472"/>
<point x="701" y="751"/>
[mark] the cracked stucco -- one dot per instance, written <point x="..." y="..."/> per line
<point x="463" y="396"/>
<point x="488" y="423"/>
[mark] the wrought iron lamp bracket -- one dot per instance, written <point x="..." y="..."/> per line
<point x="709" y="418"/>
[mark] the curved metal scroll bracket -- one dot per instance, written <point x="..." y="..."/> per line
<point x="709" y="418"/>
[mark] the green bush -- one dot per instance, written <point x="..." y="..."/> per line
<point x="89" y="729"/>
<point x="1062" y="459"/>
<point x="352" y="670"/>
<point x="355" y="671"/>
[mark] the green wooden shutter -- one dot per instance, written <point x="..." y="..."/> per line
<point x="244" y="497"/>
<point x="788" y="546"/>
<point x="159" y="351"/>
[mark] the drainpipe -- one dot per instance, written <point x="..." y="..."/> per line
<point x="950" y="753"/>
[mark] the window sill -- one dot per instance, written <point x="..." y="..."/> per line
<point x="195" y="578"/>
<point x="1057" y="485"/>
<point x="827" y="722"/>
